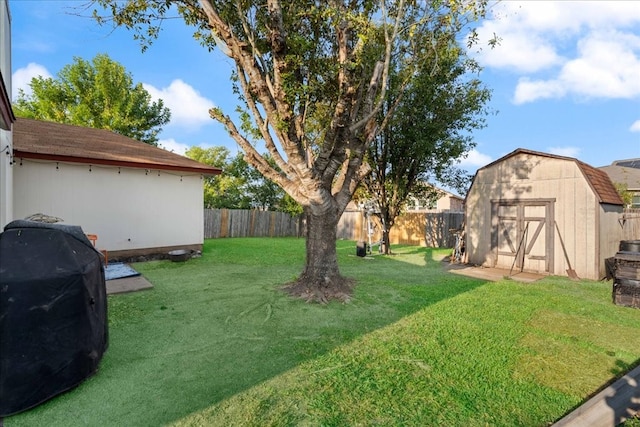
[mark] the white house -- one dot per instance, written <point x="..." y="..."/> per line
<point x="445" y="202"/>
<point x="138" y="199"/>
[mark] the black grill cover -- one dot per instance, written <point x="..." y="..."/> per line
<point x="53" y="312"/>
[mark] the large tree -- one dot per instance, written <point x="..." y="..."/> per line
<point x="98" y="94"/>
<point x="311" y="77"/>
<point x="428" y="134"/>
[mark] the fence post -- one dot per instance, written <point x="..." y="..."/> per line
<point x="224" y="223"/>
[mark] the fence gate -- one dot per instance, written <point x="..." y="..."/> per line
<point x="522" y="234"/>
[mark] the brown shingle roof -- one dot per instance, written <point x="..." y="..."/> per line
<point x="36" y="139"/>
<point x="597" y="179"/>
<point x="601" y="183"/>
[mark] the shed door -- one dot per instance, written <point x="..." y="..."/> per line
<point x="522" y="234"/>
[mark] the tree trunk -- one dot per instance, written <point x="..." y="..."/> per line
<point x="387" y="223"/>
<point x="385" y="241"/>
<point x="321" y="280"/>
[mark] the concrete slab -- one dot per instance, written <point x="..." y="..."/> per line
<point x="127" y="284"/>
<point x="609" y="408"/>
<point x="491" y="274"/>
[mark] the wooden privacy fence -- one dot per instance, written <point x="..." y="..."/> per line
<point x="249" y="223"/>
<point x="418" y="229"/>
<point x="630" y="222"/>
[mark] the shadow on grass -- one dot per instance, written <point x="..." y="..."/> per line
<point x="218" y="325"/>
<point x="625" y="398"/>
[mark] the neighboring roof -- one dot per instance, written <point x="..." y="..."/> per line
<point x="598" y="180"/>
<point x="445" y="192"/>
<point x="628" y="163"/>
<point x="625" y="172"/>
<point x="36" y="139"/>
<point x="454" y="196"/>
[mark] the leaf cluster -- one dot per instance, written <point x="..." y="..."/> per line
<point x="100" y="94"/>
<point x="239" y="186"/>
<point x="430" y="130"/>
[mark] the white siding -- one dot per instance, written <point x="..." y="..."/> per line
<point x="127" y="208"/>
<point x="6" y="180"/>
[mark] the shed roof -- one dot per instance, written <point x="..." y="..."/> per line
<point x="37" y="139"/>
<point x="598" y="179"/>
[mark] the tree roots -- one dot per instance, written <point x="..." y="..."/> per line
<point x="321" y="291"/>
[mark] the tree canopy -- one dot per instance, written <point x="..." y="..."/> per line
<point x="429" y="132"/>
<point x="98" y="94"/>
<point x="311" y="78"/>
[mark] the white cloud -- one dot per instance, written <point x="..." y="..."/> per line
<point x="635" y="127"/>
<point x="173" y="146"/>
<point x="527" y="90"/>
<point x="188" y="107"/>
<point x="474" y="160"/>
<point x="22" y="78"/>
<point x="559" y="48"/>
<point x="607" y="67"/>
<point x="517" y="50"/>
<point x="564" y="151"/>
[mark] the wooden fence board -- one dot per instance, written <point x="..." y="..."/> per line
<point x="220" y="223"/>
<point x="631" y="220"/>
<point x="419" y="229"/>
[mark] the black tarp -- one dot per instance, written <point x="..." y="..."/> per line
<point x="53" y="312"/>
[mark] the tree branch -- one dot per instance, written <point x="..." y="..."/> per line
<point x="384" y="79"/>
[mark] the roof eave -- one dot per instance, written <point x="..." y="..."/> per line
<point x="6" y="113"/>
<point x="118" y="163"/>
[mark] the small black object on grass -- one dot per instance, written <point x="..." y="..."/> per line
<point x="179" y="255"/>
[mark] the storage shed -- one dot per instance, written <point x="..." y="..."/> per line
<point x="543" y="213"/>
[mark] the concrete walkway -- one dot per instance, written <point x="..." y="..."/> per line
<point x="127" y="284"/>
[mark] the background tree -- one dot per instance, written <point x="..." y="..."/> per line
<point x="427" y="136"/>
<point x="625" y="194"/>
<point x="311" y="77"/>
<point x="224" y="191"/>
<point x="240" y="186"/>
<point x="98" y="94"/>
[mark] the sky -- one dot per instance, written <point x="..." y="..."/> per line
<point x="565" y="76"/>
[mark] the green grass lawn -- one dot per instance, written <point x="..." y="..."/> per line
<point x="215" y="342"/>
